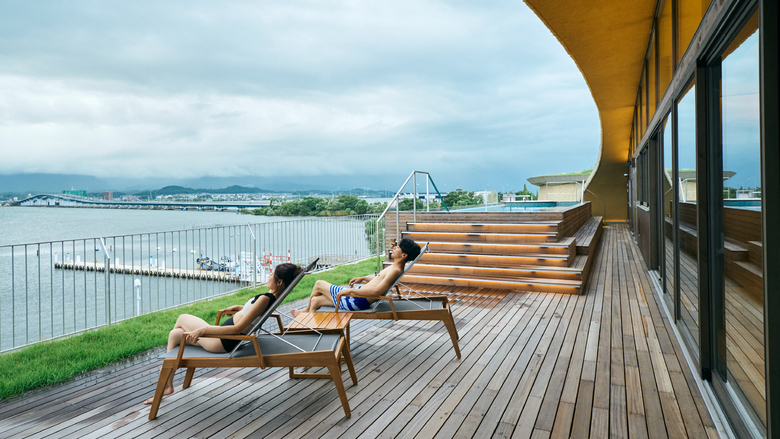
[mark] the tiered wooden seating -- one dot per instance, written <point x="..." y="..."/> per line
<point x="523" y="256"/>
<point x="742" y="245"/>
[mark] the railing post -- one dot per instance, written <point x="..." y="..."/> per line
<point x="107" y="268"/>
<point x="427" y="192"/>
<point x="137" y="307"/>
<point x="414" y="201"/>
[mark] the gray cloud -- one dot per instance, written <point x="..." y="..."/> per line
<point x="477" y="94"/>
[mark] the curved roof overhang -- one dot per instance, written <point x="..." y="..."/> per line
<point x="557" y="179"/>
<point x="608" y="40"/>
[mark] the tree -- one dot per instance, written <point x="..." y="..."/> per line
<point x="459" y="197"/>
<point x="407" y="204"/>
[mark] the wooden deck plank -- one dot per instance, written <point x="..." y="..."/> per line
<point x="534" y="365"/>
<point x="429" y="368"/>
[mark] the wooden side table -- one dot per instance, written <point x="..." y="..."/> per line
<point x="322" y="320"/>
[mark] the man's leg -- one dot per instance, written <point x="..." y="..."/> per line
<point x="320" y="296"/>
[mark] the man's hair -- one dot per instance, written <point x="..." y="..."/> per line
<point x="409" y="247"/>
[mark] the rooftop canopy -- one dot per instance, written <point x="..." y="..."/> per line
<point x="607" y="40"/>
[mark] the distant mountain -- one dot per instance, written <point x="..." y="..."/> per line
<point x="41" y="182"/>
<point x="175" y="190"/>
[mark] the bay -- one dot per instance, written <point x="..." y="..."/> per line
<point x="39" y="300"/>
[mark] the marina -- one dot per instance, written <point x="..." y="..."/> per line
<point x="54" y="288"/>
<point x="150" y="271"/>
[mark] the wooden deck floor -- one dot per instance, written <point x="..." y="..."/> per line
<point x="534" y="365"/>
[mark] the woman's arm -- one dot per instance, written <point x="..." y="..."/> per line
<point x="237" y="327"/>
<point x="234" y="308"/>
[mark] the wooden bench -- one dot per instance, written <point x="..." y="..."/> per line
<point x="588" y="236"/>
<point x="740" y="264"/>
<point x="688" y="241"/>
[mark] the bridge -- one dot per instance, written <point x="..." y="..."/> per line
<point x="65" y="200"/>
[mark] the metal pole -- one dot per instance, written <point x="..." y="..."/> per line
<point x="138" y="297"/>
<point x="414" y="201"/>
<point x="13" y="300"/>
<point x="107" y="268"/>
<point x="26" y="309"/>
<point x="427" y="192"/>
<point x="40" y="317"/>
<point x="254" y="256"/>
<point x="378" y="245"/>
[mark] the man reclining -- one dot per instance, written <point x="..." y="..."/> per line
<point x="325" y="294"/>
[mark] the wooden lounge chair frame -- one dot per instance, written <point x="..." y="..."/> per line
<point x="412" y="310"/>
<point x="296" y="357"/>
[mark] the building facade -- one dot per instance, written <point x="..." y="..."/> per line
<point x="561" y="187"/>
<point x="685" y="90"/>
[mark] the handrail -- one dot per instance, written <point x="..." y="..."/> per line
<point x="379" y="241"/>
<point x="603" y="204"/>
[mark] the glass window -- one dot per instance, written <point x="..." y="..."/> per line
<point x="687" y="226"/>
<point x="667" y="179"/>
<point x="665" y="47"/>
<point x="742" y="280"/>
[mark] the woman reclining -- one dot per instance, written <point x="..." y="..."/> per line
<point x="241" y="321"/>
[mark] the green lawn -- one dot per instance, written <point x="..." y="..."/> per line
<point x="56" y="361"/>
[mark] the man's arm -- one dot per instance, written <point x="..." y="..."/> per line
<point x="360" y="280"/>
<point x="386" y="278"/>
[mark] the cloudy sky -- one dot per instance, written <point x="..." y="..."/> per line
<point x="482" y="96"/>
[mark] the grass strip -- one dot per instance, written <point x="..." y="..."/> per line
<point x="56" y="361"/>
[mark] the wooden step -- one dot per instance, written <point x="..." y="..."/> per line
<point x="588" y="236"/>
<point x="565" y="247"/>
<point x="460" y="271"/>
<point x="750" y="276"/>
<point x="756" y="253"/>
<point x="734" y="251"/>
<point x="466" y="259"/>
<point x="541" y="285"/>
<point x="498" y="238"/>
<point x="520" y="228"/>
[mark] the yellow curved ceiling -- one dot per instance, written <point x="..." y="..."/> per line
<point x="607" y="40"/>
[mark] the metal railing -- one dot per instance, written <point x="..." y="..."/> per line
<point x="395" y="201"/>
<point x="59" y="288"/>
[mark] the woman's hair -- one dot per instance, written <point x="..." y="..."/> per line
<point x="286" y="273"/>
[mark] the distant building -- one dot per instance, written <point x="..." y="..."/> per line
<point x="511" y="197"/>
<point x="560" y="187"/>
<point x="108" y="196"/>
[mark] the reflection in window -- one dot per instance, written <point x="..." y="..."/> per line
<point x="742" y="275"/>
<point x="687" y="226"/>
<point x="667" y="180"/>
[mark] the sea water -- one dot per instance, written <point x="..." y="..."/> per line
<point x="46" y="302"/>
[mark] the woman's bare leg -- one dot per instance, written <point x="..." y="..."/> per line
<point x="188" y="323"/>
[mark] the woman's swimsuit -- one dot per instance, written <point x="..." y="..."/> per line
<point x="230" y="344"/>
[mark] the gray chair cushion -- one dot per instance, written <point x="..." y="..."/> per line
<point x="333" y="309"/>
<point x="269" y="345"/>
<point x="409" y="305"/>
<point x="417" y="304"/>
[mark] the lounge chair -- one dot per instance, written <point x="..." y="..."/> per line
<point x="408" y="307"/>
<point x="310" y="348"/>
